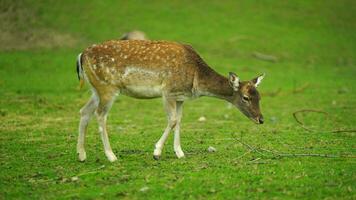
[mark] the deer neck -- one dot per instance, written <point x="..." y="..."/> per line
<point x="210" y="83"/>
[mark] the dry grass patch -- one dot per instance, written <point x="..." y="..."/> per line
<point x="20" y="29"/>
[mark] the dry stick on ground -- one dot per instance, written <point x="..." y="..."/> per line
<point x="301" y="88"/>
<point x="253" y="149"/>
<point x="264" y="57"/>
<point x="243" y="155"/>
<point x="96" y="170"/>
<point x="312" y="130"/>
<point x="277" y="154"/>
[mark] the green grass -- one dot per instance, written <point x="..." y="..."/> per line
<point x="314" y="41"/>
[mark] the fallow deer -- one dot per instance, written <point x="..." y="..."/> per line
<point x="151" y="69"/>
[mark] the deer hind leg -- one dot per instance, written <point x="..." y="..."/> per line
<point x="86" y="113"/>
<point x="170" y="106"/>
<point x="177" y="147"/>
<point x="105" y="103"/>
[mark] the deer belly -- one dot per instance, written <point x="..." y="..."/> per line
<point x="140" y="82"/>
<point x="142" y="91"/>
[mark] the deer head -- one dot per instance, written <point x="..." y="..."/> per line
<point x="246" y="97"/>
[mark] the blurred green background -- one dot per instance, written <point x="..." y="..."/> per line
<point x="312" y="45"/>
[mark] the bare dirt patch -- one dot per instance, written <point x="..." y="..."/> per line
<point x="20" y="29"/>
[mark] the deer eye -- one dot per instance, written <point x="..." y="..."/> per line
<point x="245" y="98"/>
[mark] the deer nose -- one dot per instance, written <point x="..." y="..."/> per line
<point x="260" y="120"/>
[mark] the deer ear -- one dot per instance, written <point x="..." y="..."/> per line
<point x="256" y="81"/>
<point x="234" y="81"/>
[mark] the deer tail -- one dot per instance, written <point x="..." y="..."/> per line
<point x="80" y="71"/>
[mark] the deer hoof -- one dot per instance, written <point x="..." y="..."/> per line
<point x="157" y="154"/>
<point x="82" y="156"/>
<point x="111" y="156"/>
<point x="180" y="154"/>
<point x="156" y="157"/>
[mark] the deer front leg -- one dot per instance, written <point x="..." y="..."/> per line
<point x="177" y="147"/>
<point x="170" y="106"/>
<point x="159" y="145"/>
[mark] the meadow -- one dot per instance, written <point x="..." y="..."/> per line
<point x="312" y="43"/>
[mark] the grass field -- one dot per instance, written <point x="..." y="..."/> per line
<point x="314" y="43"/>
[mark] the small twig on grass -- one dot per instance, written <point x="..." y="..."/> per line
<point x="312" y="130"/>
<point x="307" y="155"/>
<point x="277" y="154"/>
<point x="301" y="88"/>
<point x="255" y="160"/>
<point x="243" y="155"/>
<point x="258" y="161"/>
<point x="307" y="110"/>
<point x="96" y="170"/>
<point x="264" y="57"/>
<point x="253" y="149"/>
<point x="74" y="178"/>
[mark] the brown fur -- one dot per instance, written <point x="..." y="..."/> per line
<point x="176" y="65"/>
<point x="150" y="69"/>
